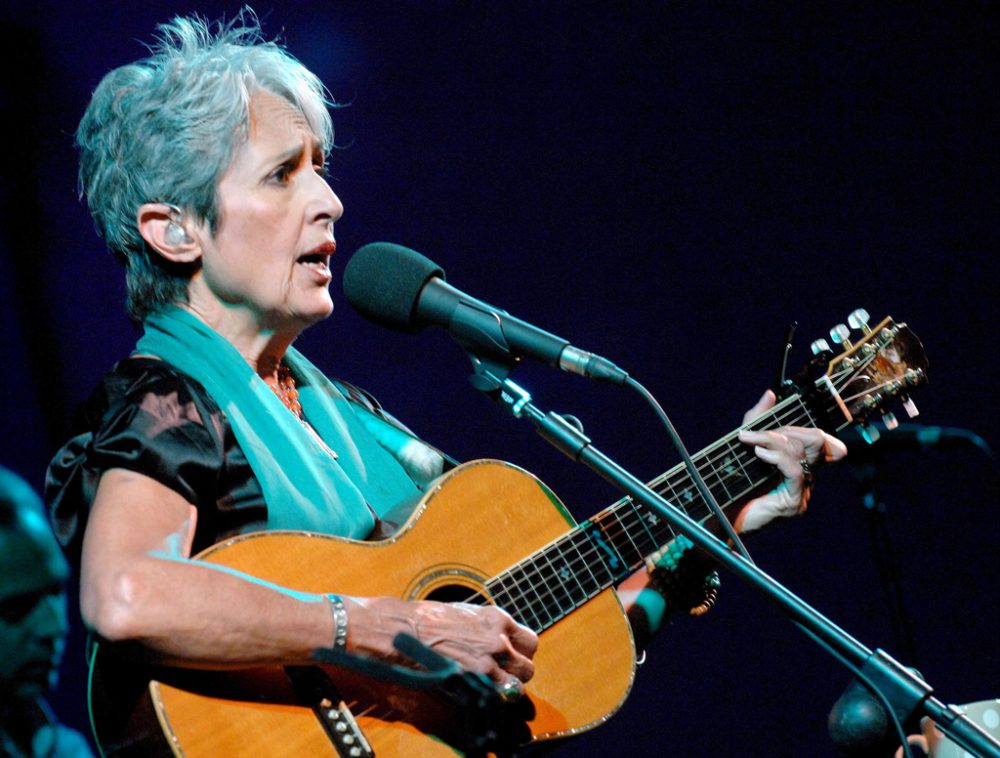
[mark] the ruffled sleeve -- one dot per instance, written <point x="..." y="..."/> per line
<point x="149" y="418"/>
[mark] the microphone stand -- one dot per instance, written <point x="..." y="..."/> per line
<point x="906" y="692"/>
<point x="876" y="518"/>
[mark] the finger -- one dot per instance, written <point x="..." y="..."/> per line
<point x="474" y="660"/>
<point x="787" y="464"/>
<point x="818" y="444"/>
<point x="515" y="662"/>
<point x="490" y="650"/>
<point x="786" y="445"/>
<point x="523" y="639"/>
<point x="833" y="449"/>
<point x="778" y="503"/>
<point x="767" y="401"/>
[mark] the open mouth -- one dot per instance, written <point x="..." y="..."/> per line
<point x="318" y="259"/>
<point x="315" y="261"/>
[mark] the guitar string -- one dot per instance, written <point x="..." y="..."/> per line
<point x="557" y="598"/>
<point x="705" y="458"/>
<point x="525" y="604"/>
<point x="627" y="525"/>
<point x="632" y="517"/>
<point x="549" y="585"/>
<point x="521" y="601"/>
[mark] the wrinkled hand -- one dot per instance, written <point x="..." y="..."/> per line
<point x="786" y="448"/>
<point x="482" y="639"/>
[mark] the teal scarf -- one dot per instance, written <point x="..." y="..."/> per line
<point x="304" y="486"/>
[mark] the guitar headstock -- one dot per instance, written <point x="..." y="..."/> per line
<point x="876" y="365"/>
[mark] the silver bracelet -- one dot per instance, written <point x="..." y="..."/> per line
<point x="339" y="622"/>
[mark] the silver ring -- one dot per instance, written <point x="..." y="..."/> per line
<point x="807" y="472"/>
<point x="511" y="689"/>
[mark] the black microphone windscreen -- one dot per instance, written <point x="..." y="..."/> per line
<point x="858" y="724"/>
<point x="382" y="281"/>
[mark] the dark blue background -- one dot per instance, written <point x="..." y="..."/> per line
<point x="669" y="185"/>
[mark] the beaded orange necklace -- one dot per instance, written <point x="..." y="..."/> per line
<point x="287" y="392"/>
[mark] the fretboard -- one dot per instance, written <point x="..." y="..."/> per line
<point x="602" y="551"/>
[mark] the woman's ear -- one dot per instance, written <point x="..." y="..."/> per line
<point x="162" y="226"/>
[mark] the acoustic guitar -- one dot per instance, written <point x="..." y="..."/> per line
<point x="488" y="532"/>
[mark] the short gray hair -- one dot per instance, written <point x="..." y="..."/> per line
<point x="165" y="128"/>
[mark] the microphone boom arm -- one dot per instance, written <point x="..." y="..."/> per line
<point x="907" y="693"/>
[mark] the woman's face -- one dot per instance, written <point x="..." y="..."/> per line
<point x="269" y="259"/>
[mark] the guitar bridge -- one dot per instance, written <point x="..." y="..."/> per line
<point x="319" y="693"/>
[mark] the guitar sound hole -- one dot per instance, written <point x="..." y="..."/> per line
<point x="456" y="593"/>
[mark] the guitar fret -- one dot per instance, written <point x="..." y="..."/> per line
<point x="732" y="471"/>
<point x="521" y="606"/>
<point x="646" y="521"/>
<point x="618" y="534"/>
<point x="565" y="600"/>
<point x="724" y="494"/>
<point x="720" y="479"/>
<point x="687" y="497"/>
<point x="660" y="530"/>
<point x="570" y="560"/>
<point x="675" y="498"/>
<point x="602" y="551"/>
<point x="597" y="582"/>
<point x="547" y="587"/>
<point x="568" y="550"/>
<point x="805" y="409"/>
<point x="605" y="550"/>
<point x="500" y="593"/>
<point x="543" y="591"/>
<point x="555" y="582"/>
<point x="736" y="455"/>
<point x="511" y="599"/>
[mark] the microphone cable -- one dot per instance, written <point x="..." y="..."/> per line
<point x="741" y="548"/>
<point x="699" y="481"/>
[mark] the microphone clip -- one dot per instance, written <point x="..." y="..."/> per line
<point x="490" y="374"/>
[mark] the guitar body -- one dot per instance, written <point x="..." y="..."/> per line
<point x="480" y="519"/>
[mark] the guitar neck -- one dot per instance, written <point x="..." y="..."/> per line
<point x="602" y="551"/>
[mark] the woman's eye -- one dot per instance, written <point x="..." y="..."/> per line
<point x="281" y="174"/>
<point x="321" y="169"/>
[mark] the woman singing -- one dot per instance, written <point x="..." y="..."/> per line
<point x="204" y="167"/>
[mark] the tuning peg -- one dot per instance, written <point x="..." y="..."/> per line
<point x="910" y="407"/>
<point x="890" y="420"/>
<point x="820" y="346"/>
<point x="869" y="434"/>
<point x="859" y="320"/>
<point x="839" y="335"/>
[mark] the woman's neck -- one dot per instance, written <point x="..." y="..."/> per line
<point x="262" y="347"/>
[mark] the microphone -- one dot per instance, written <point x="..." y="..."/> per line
<point x="399" y="288"/>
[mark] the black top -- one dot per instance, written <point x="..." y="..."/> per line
<point x="148" y="417"/>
